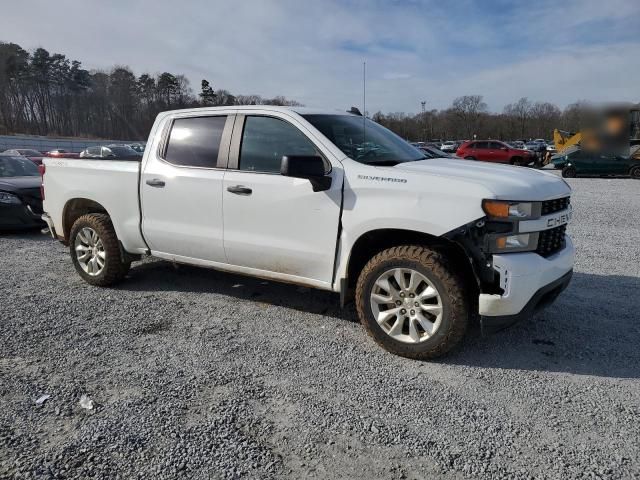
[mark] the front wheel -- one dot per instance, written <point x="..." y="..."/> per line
<point x="569" y="172"/>
<point x="95" y="251"/>
<point x="411" y="303"/>
<point x="517" y="161"/>
<point x="469" y="158"/>
<point x="635" y="173"/>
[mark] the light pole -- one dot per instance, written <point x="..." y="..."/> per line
<point x="424" y="117"/>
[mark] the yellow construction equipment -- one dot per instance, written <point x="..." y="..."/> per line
<point x="592" y="138"/>
<point x="564" y="140"/>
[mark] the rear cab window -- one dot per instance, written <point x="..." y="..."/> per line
<point x="195" y="141"/>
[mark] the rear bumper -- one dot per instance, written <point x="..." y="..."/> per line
<point x="18" y="216"/>
<point x="52" y="229"/>
<point x="529" y="281"/>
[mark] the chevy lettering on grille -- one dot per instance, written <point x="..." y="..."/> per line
<point x="559" y="220"/>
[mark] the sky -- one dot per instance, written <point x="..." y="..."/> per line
<point x="313" y="50"/>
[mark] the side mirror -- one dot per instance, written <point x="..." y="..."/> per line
<point x="309" y="167"/>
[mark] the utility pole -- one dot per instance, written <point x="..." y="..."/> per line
<point x="364" y="105"/>
<point x="424" y="117"/>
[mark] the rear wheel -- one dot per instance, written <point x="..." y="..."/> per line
<point x="411" y="303"/>
<point x="569" y="172"/>
<point x="95" y="251"/>
<point x="635" y="172"/>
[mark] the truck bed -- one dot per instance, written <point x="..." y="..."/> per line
<point x="111" y="183"/>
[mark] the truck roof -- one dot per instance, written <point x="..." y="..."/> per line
<point x="266" y="108"/>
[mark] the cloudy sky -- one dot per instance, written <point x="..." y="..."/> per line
<point x="313" y="50"/>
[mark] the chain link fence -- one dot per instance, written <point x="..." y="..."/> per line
<point x="44" y="144"/>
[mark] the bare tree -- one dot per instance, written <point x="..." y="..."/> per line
<point x="469" y="108"/>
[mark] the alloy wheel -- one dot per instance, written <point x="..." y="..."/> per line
<point x="90" y="251"/>
<point x="406" y="305"/>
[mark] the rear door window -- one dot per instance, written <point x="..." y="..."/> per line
<point x="195" y="142"/>
<point x="481" y="145"/>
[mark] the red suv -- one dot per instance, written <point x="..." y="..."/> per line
<point x="493" y="151"/>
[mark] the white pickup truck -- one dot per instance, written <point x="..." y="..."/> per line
<point x="328" y="200"/>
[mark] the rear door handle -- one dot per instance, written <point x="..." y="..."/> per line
<point x="155" y="183"/>
<point x="240" y="190"/>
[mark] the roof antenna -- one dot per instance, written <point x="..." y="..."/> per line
<point x="364" y="104"/>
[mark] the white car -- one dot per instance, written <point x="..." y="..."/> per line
<point x="449" y="146"/>
<point x="294" y="195"/>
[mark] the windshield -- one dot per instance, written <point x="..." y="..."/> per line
<point x="378" y="146"/>
<point x="437" y="153"/>
<point x="122" y="151"/>
<point x="17" y="167"/>
<point x="30" y="153"/>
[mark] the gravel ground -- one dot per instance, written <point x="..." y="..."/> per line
<point x="199" y="374"/>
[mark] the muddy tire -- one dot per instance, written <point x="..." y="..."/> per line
<point x="95" y="250"/>
<point x="412" y="303"/>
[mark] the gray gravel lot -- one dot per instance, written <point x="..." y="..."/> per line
<point x="199" y="374"/>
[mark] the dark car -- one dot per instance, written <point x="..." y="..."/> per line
<point x="34" y="155"/>
<point x="576" y="162"/>
<point x="20" y="195"/>
<point x="493" y="151"/>
<point x="433" y="152"/>
<point x="138" y="147"/>
<point x="111" y="152"/>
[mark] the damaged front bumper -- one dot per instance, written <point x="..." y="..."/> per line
<point x="528" y="282"/>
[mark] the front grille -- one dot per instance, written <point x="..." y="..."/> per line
<point x="551" y="241"/>
<point x="552" y="206"/>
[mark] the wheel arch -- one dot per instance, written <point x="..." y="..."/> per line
<point x="373" y="242"/>
<point x="74" y="209"/>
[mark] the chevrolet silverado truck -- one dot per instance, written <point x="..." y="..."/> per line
<point x="329" y="200"/>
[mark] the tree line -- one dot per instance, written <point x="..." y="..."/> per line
<point x="46" y="93"/>
<point x="468" y="116"/>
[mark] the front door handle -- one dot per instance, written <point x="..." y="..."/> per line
<point x="155" y="183"/>
<point x="240" y="190"/>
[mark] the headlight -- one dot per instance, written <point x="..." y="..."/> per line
<point x="500" y="209"/>
<point x="524" y="242"/>
<point x="9" y="199"/>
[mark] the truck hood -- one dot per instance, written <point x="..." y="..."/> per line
<point x="505" y="181"/>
